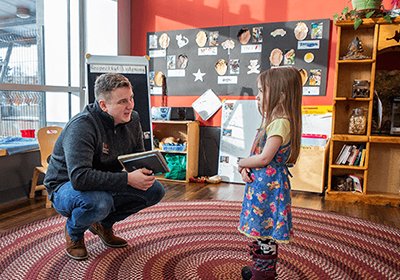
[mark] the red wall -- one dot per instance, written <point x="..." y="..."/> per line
<point x="163" y="15"/>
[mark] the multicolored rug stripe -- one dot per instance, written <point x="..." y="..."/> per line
<point x="198" y="240"/>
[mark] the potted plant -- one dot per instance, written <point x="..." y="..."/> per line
<point x="363" y="9"/>
<point x="360" y="5"/>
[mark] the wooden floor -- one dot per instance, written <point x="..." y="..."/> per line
<point x="28" y="210"/>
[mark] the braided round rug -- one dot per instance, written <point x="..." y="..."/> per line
<point x="198" y="240"/>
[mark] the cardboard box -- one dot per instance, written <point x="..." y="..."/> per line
<point x="309" y="173"/>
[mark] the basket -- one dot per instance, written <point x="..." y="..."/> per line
<point x="174" y="147"/>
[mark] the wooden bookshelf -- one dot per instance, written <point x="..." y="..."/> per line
<point x="187" y="131"/>
<point x="379" y="171"/>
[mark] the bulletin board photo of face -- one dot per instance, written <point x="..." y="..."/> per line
<point x="257" y="34"/>
<point x="213" y="39"/>
<point x="171" y="62"/>
<point x="234" y="66"/>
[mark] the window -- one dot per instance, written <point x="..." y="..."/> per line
<point x="42" y="50"/>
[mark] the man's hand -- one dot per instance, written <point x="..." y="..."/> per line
<point x="245" y="172"/>
<point x="141" y="179"/>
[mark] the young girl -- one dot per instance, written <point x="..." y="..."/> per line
<point x="266" y="210"/>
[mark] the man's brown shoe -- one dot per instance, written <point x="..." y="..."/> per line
<point x="107" y="236"/>
<point x="75" y="249"/>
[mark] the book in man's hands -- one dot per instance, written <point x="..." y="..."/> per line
<point x="152" y="160"/>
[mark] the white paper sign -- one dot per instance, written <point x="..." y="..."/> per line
<point x="226" y="80"/>
<point x="310" y="90"/>
<point x="176" y="73"/>
<point x="207" y="104"/>
<point x="123" y="69"/>
<point x="257" y="48"/>
<point x="156" y="91"/>
<point x="157" y="53"/>
<point x="308" y="45"/>
<point x="207" y="51"/>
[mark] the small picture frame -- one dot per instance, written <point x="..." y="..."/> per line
<point x="360" y="89"/>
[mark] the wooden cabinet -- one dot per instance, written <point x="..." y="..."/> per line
<point x="187" y="131"/>
<point x="379" y="168"/>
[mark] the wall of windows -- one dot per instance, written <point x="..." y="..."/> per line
<point x="42" y="58"/>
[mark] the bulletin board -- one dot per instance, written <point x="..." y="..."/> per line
<point x="227" y="59"/>
<point x="136" y="70"/>
<point x="239" y="124"/>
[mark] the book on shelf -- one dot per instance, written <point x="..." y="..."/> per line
<point x="152" y="160"/>
<point x="358" y="158"/>
<point x="340" y="155"/>
<point x="362" y="159"/>
<point x="357" y="182"/>
<point x="353" y="155"/>
<point x="346" y="154"/>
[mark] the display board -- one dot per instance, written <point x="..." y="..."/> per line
<point x="136" y="70"/>
<point x="239" y="124"/>
<point x="227" y="59"/>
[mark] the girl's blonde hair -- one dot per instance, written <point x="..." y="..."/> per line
<point x="282" y="93"/>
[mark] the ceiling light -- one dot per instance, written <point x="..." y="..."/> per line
<point x="23" y="12"/>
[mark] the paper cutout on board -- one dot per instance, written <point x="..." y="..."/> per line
<point x="181" y="40"/>
<point x="309" y="57"/>
<point x="254" y="67"/>
<point x="278" y="32"/>
<point x="201" y="39"/>
<point x="244" y="35"/>
<point x="276" y="56"/>
<point x="164" y="41"/>
<point x="221" y="66"/>
<point x="300" y="31"/>
<point x="228" y="45"/>
<point x="198" y="76"/>
<point x="207" y="104"/>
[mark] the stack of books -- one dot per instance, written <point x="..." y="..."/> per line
<point x="351" y="155"/>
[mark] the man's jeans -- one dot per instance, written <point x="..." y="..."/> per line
<point x="84" y="208"/>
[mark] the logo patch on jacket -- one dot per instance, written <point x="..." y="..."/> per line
<point x="106" y="149"/>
